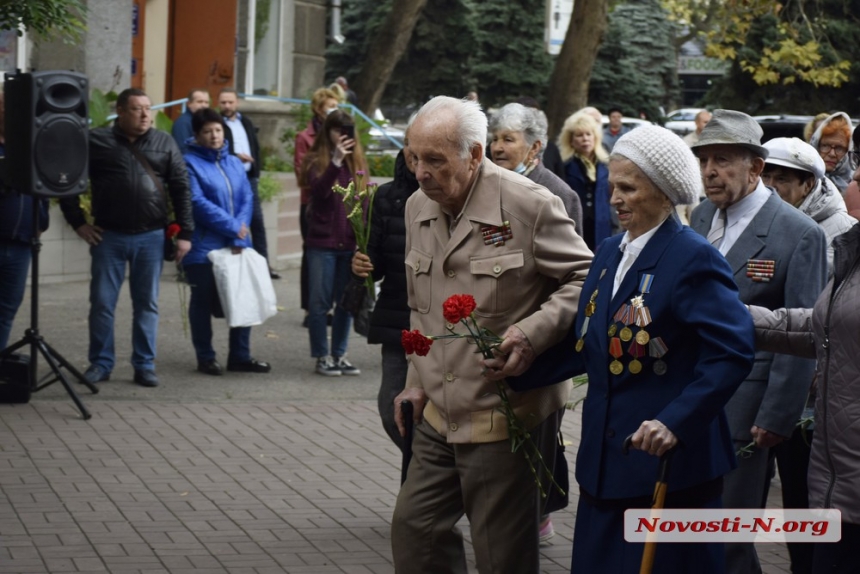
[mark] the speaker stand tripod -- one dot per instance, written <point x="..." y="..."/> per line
<point x="32" y="337"/>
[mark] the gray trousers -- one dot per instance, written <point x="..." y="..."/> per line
<point x="488" y="483"/>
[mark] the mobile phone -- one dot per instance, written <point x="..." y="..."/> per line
<point x="348" y="131"/>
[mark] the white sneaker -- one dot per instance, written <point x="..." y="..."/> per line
<point x="327" y="367"/>
<point x="345" y="366"/>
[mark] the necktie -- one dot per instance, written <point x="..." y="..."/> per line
<point x="715" y="235"/>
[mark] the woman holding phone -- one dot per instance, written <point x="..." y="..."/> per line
<point x="335" y="158"/>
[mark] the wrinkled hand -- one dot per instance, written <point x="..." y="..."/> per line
<point x="415" y="396"/>
<point x="764" y="438"/>
<point x="361" y="265"/>
<point x="243" y="232"/>
<point x="654" y="437"/>
<point x="245" y="158"/>
<point x="513" y="356"/>
<point x="183" y="246"/>
<point x="92" y="234"/>
<point x="343" y="149"/>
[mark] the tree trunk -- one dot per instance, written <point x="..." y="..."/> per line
<point x="386" y="49"/>
<point x="568" y="90"/>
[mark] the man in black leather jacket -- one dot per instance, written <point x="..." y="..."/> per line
<point x="130" y="211"/>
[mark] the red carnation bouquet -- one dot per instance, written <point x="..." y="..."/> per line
<point x="459" y="309"/>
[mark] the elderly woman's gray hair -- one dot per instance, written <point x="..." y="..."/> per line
<point x="665" y="158"/>
<point x="518" y="118"/>
<point x="469" y="121"/>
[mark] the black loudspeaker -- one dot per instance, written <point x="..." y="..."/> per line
<point x="47" y="126"/>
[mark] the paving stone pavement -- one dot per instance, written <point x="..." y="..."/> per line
<point x="240" y="474"/>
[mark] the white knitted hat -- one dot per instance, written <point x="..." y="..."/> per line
<point x="665" y="159"/>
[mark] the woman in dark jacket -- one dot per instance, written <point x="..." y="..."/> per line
<point x="334" y="159"/>
<point x="390" y="317"/>
<point x="221" y="201"/>
<point x="587" y="173"/>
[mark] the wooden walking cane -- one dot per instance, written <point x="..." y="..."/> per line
<point x="657" y="503"/>
<point x="408" y="413"/>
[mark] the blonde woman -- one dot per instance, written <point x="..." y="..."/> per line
<point x="586" y="172"/>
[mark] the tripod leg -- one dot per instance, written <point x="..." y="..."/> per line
<point x="68" y="366"/>
<point x="49" y="357"/>
<point x="14" y="347"/>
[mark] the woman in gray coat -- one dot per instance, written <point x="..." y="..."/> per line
<point x="830" y="332"/>
<point x="517" y="141"/>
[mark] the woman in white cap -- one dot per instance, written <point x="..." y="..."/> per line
<point x="796" y="171"/>
<point x="666" y="342"/>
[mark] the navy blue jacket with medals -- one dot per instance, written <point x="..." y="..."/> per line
<point x="706" y="338"/>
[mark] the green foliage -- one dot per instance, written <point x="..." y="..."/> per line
<point x="61" y="18"/>
<point x="495" y="48"/>
<point x="510" y="59"/>
<point x="273" y="162"/>
<point x="288" y="138"/>
<point x="636" y="67"/>
<point x="262" y="14"/>
<point x="100" y="107"/>
<point x="268" y="188"/>
<point x="767" y="55"/>
<point x="381" y="165"/>
<point x="163" y="122"/>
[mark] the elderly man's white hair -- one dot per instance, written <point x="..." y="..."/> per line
<point x="469" y="125"/>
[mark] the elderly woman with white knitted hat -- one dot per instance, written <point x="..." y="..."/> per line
<point x="666" y="342"/>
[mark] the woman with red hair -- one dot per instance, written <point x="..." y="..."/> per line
<point x="832" y="139"/>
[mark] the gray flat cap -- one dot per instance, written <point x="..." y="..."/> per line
<point x="729" y="127"/>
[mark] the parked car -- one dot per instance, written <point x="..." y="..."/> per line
<point x="782" y="126"/>
<point x="682" y="121"/>
<point x="380" y="138"/>
<point x="627" y="122"/>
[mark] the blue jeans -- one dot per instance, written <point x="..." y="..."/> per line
<point x="328" y="272"/>
<point x="204" y="294"/>
<point x="144" y="254"/>
<point x="14" y="264"/>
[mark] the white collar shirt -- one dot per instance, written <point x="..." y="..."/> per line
<point x="631" y="250"/>
<point x="740" y="214"/>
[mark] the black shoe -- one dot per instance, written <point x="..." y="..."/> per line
<point x="250" y="366"/>
<point x="95" y="374"/>
<point x="305" y="322"/>
<point x="329" y="319"/>
<point x="210" y="368"/>
<point x="146" y="378"/>
<point x="274" y="274"/>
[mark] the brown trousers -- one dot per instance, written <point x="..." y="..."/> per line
<point x="488" y="483"/>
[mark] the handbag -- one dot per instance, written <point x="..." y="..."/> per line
<point x="169" y="243"/>
<point x="244" y="286"/>
<point x="359" y="303"/>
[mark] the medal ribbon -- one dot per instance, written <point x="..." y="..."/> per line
<point x="657" y="348"/>
<point x="615" y="347"/>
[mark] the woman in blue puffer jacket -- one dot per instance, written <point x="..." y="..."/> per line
<point x="221" y="201"/>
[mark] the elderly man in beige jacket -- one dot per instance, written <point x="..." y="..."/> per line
<point x="474" y="228"/>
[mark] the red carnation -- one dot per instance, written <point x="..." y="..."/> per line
<point x="458" y="307"/>
<point x="415" y="342"/>
<point x="172" y="230"/>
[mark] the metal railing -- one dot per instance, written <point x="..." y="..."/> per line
<point x="353" y="110"/>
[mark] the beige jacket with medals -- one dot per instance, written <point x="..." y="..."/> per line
<point x="532" y="280"/>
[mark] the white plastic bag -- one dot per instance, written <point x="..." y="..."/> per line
<point x="244" y="286"/>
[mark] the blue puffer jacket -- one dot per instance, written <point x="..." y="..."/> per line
<point x="221" y="200"/>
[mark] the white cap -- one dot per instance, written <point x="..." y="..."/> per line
<point x="795" y="153"/>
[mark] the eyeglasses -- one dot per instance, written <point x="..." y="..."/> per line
<point x="837" y="149"/>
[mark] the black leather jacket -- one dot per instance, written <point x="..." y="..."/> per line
<point x="124" y="196"/>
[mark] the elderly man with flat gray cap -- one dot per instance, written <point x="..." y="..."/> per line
<point x="778" y="257"/>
